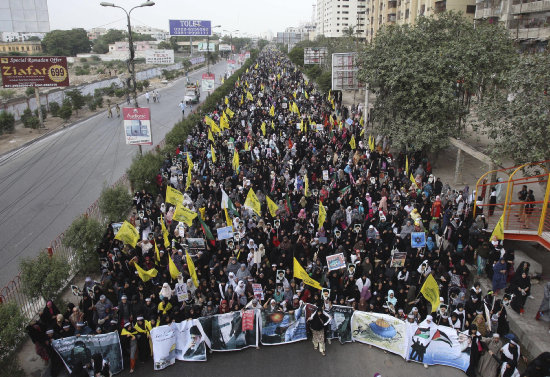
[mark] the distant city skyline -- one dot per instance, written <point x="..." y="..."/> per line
<point x="247" y="16"/>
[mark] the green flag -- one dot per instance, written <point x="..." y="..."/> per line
<point x="207" y="231"/>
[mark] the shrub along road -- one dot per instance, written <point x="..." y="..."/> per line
<point x="45" y="185"/>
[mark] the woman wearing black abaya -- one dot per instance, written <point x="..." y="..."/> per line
<point x="520" y="288"/>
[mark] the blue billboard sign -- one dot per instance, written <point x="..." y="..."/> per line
<point x="190" y="28"/>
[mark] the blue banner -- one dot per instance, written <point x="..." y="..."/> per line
<point x="190" y="28"/>
<point x="418" y="239"/>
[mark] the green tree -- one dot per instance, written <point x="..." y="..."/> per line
<point x="44" y="275"/>
<point x="101" y="44"/>
<point x="12" y="329"/>
<point x="515" y="114"/>
<point x="84" y="236"/>
<point x="7" y="93"/>
<point x="424" y="76"/>
<point x="66" y="42"/>
<point x="66" y="110"/>
<point x="7" y="122"/>
<point x="115" y="203"/>
<point x="297" y="56"/>
<point x="143" y="171"/>
<point x="77" y="99"/>
<point x="54" y="109"/>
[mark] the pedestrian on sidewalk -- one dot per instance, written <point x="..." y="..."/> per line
<point x="499" y="275"/>
<point x="317" y="322"/>
<point x="117" y="111"/>
<point x="544" y="308"/>
<point x="182" y="107"/>
<point x="109" y="112"/>
<point x="147" y="96"/>
<point x="157" y="94"/>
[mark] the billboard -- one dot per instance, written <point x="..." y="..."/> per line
<point x="345" y="72"/>
<point x="203" y="47"/>
<point x="315" y="55"/>
<point x="208" y="80"/>
<point x="43" y="71"/>
<point x="24" y="16"/>
<point x="159" y="57"/>
<point x="137" y="125"/>
<point x="224" y="48"/>
<point x="190" y="28"/>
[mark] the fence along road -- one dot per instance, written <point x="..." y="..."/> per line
<point x="44" y="186"/>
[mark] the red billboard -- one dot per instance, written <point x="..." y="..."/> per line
<point x="137" y="125"/>
<point x="42" y="71"/>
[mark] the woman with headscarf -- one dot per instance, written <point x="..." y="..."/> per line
<point x="128" y="335"/>
<point x="475" y="351"/>
<point x="544" y="308"/>
<point x="165" y="291"/>
<point x="500" y="270"/>
<point x="488" y="366"/>
<point x="391" y="302"/>
<point x="520" y="288"/>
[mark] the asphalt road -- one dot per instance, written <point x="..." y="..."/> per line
<point x="46" y="185"/>
<point x="299" y="359"/>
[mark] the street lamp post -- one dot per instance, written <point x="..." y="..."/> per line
<point x="131" y="82"/>
<point x="208" y="48"/>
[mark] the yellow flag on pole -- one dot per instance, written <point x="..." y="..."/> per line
<point x="430" y="291"/>
<point x="202" y="210"/>
<point x="184" y="214"/>
<point x="213" y="152"/>
<point x="226" y="100"/>
<point x="227" y="218"/>
<point x="236" y="160"/>
<point x="210" y="136"/>
<point x="498" y="232"/>
<point x="189" y="176"/>
<point x="406" y="164"/>
<point x="306" y="186"/>
<point x="229" y="112"/>
<point x="249" y="96"/>
<point x="272" y="111"/>
<point x="322" y="214"/>
<point x="253" y="203"/>
<point x="173" y="196"/>
<point x="263" y="128"/>
<point x="191" y="269"/>
<point x="300" y="273"/>
<point x="352" y="142"/>
<point x="145" y="275"/>
<point x="307" y="95"/>
<point x="174" y="272"/>
<point x="272" y="125"/>
<point x="164" y="232"/>
<point x="157" y="253"/>
<point x="128" y="234"/>
<point x="271" y="206"/>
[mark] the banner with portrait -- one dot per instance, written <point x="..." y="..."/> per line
<point x="380" y="330"/>
<point x="191" y="341"/>
<point x="232" y="331"/>
<point x="73" y="350"/>
<point x="280" y="327"/>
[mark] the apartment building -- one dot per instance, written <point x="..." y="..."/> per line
<point x="527" y="21"/>
<point x="335" y="17"/>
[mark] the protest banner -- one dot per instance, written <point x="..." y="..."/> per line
<point x="418" y="239"/>
<point x="398" y="259"/>
<point x="230" y="331"/>
<point x="258" y="291"/>
<point x="430" y="344"/>
<point x="191" y="341"/>
<point x="81" y="349"/>
<point x="336" y="261"/>
<point x="163" y="339"/>
<point x="380" y="330"/>
<point x="281" y="328"/>
<point x="340" y="326"/>
<point x="225" y="233"/>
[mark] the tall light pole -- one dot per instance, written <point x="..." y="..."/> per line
<point x="208" y="48"/>
<point x="130" y="63"/>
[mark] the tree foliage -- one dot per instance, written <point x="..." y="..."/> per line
<point x="115" y="203"/>
<point x="43" y="276"/>
<point x="424" y="76"/>
<point x="7" y="122"/>
<point x="101" y="44"/>
<point x="516" y="114"/>
<point x="77" y="99"/>
<point x="11" y="331"/>
<point x="66" y="42"/>
<point x="143" y="170"/>
<point x="84" y="236"/>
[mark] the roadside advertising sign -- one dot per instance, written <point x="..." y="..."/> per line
<point x="208" y="81"/>
<point x="137" y="125"/>
<point x="41" y="71"/>
<point x="203" y="47"/>
<point x="190" y="28"/>
<point x="223" y="47"/>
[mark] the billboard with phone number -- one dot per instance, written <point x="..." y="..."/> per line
<point x="41" y="71"/>
<point x="190" y="28"/>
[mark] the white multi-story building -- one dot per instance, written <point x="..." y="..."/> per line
<point x="335" y="17"/>
<point x="157" y="34"/>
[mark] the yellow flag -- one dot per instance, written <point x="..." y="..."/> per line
<point x="278" y="76"/>
<point x="213" y="153"/>
<point x="307" y="96"/>
<point x="294" y="95"/>
<point x="406" y="164"/>
<point x="302" y="125"/>
<point x="371" y="143"/>
<point x="253" y="203"/>
<point x="215" y="128"/>
<point x="224" y="122"/>
<point x="128" y="234"/>
<point x="157" y="253"/>
<point x="295" y="108"/>
<point x="263" y="128"/>
<point x="174" y="272"/>
<point x="145" y="275"/>
<point x="210" y="136"/>
<point x="322" y="214"/>
<point x="164" y="232"/>
<point x="498" y="232"/>
<point x="242" y="99"/>
<point x="300" y="273"/>
<point x="191" y="269"/>
<point x="271" y="206"/>
<point x="430" y="291"/>
<point x="226" y="100"/>
<point x="189" y="176"/>
<point x="272" y="125"/>
<point x="202" y="210"/>
<point x="362" y="132"/>
<point x="412" y="179"/>
<point x="227" y="218"/>
<point x="173" y="196"/>
<point x="246" y="147"/>
<point x="256" y="66"/>
<point x="229" y="112"/>
<point x="184" y="214"/>
<point x="272" y="111"/>
<point x="352" y="142"/>
<point x="306" y="186"/>
<point x="249" y="96"/>
<point x="361" y="121"/>
<point x="236" y="160"/>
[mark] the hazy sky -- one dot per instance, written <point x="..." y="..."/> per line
<point x="251" y="16"/>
